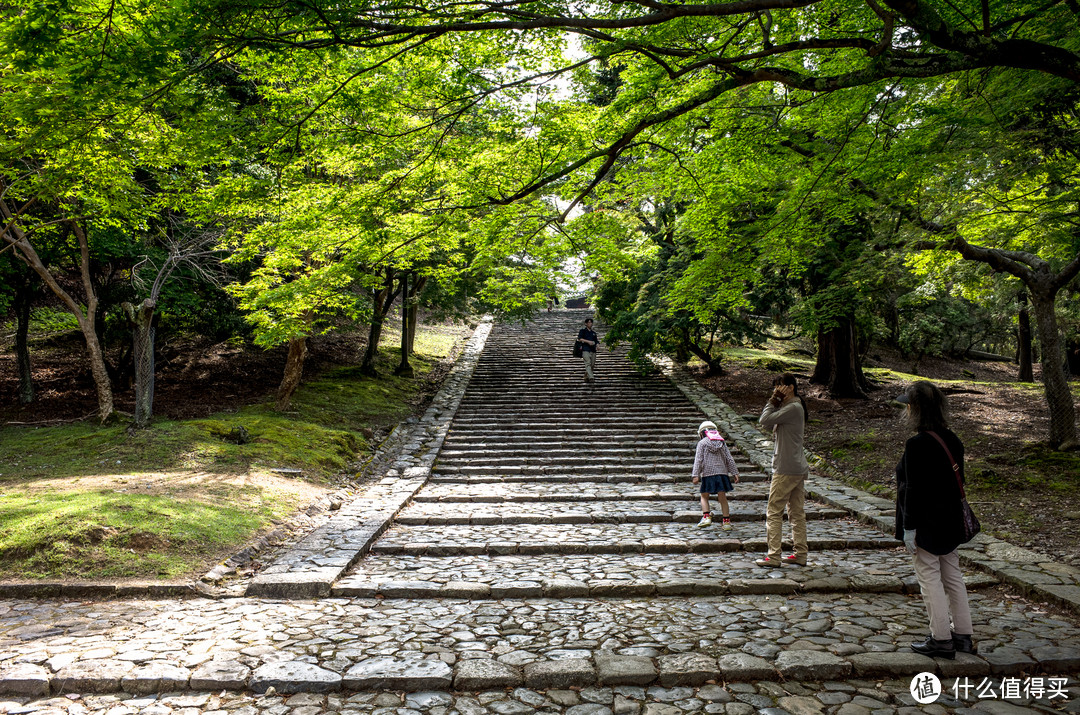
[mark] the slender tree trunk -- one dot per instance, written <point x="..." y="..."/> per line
<point x="22" y="342"/>
<point x="382" y="299"/>
<point x="404" y="368"/>
<point x="892" y="322"/>
<point x="1055" y="382"/>
<point x="1026" y="372"/>
<point x="15" y="236"/>
<point x="294" y="370"/>
<point x="714" y="366"/>
<point x="414" y="309"/>
<point x="98" y="370"/>
<point x="141" y="321"/>
<point x="838" y="366"/>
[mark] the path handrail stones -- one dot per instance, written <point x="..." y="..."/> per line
<point x="541" y="536"/>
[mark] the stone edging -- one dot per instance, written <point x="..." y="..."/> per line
<point x="1035" y="574"/>
<point x="310" y="567"/>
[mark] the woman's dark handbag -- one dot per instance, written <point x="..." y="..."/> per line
<point x="971" y="522"/>
<point x="577" y="349"/>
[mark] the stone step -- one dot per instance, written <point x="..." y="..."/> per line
<point x="598" y="417"/>
<point x="645" y="512"/>
<point x="568" y="437"/>
<point x="576" y="423"/>
<point x="648" y="471"/>
<point x="527" y="404"/>
<point x="489" y="450"/>
<point x="536" y="389"/>
<point x="628" y="575"/>
<point x="514" y="492"/>
<point x="526" y="460"/>
<point x="614" y="477"/>
<point x="468" y="442"/>
<point x="571" y="392"/>
<point x="667" y="537"/>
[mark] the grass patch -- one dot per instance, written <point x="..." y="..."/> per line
<point x="109" y="534"/>
<point x="321" y="433"/>
<point x="859" y="444"/>
<point x="763" y="358"/>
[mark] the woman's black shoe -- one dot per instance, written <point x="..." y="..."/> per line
<point x="935" y="648"/>
<point x="963" y="644"/>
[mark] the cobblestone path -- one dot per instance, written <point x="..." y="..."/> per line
<point x="541" y="554"/>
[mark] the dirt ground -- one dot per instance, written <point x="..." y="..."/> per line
<point x="1021" y="491"/>
<point x="225" y="374"/>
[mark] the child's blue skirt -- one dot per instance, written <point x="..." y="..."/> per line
<point x="716" y="484"/>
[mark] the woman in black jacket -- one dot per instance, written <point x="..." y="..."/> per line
<point x="929" y="519"/>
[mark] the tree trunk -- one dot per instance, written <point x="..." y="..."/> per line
<point x="404" y="368"/>
<point x="414" y="309"/>
<point x="294" y="370"/>
<point x="892" y="322"/>
<point x="141" y="321"/>
<point x="1026" y="373"/>
<point x="381" y="300"/>
<point x="18" y="238"/>
<point x="714" y="366"/>
<point x="22" y="344"/>
<point x="838" y="366"/>
<point x="97" y="368"/>
<point x="1055" y="382"/>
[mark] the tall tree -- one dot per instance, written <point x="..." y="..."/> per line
<point x="92" y="101"/>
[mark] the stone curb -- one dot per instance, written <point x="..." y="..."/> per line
<point x="96" y="591"/>
<point x="633" y="546"/>
<point x="1032" y="573"/>
<point x="568" y="588"/>
<point x="603" y="668"/>
<point x="490" y="518"/>
<point x="310" y="567"/>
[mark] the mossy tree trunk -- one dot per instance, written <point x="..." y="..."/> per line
<point x="1043" y="284"/>
<point x="1055" y="381"/>
<point x="294" y="371"/>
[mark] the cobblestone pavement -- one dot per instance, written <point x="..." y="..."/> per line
<point x="535" y="550"/>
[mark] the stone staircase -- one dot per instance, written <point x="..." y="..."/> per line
<point x="552" y="491"/>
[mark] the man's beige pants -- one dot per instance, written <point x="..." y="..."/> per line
<point x="786" y="490"/>
<point x="942" y="584"/>
<point x="589" y="356"/>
